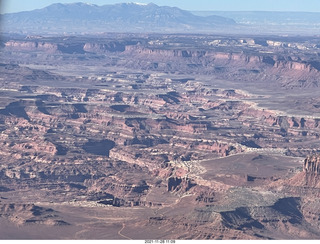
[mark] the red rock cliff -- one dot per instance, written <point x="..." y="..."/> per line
<point x="312" y="164"/>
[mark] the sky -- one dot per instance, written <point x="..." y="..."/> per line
<point x="11" y="6"/>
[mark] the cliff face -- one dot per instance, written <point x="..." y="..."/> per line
<point x="224" y="58"/>
<point x="312" y="164"/>
<point x="31" y="46"/>
<point x="288" y="70"/>
<point x="65" y="47"/>
<point x="202" y="57"/>
<point x="307" y="182"/>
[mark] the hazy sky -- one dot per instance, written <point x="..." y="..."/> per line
<point x="9" y="6"/>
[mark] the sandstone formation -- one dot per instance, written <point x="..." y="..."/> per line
<point x="312" y="164"/>
<point x="254" y="60"/>
<point x="117" y="138"/>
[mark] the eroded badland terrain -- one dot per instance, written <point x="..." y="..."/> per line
<point x="134" y="136"/>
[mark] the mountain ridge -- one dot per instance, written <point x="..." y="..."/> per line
<point x="128" y="17"/>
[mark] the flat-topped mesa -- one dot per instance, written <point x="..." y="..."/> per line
<point x="312" y="164"/>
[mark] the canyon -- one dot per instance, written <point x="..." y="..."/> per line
<point x="159" y="136"/>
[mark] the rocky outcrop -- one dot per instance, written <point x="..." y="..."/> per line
<point x="52" y="47"/>
<point x="176" y="184"/>
<point x="305" y="182"/>
<point x="312" y="164"/>
<point x="31" y="46"/>
<point x="26" y="214"/>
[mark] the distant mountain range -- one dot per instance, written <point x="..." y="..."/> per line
<point x="125" y="17"/>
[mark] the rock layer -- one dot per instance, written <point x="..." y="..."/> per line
<point x="140" y="136"/>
